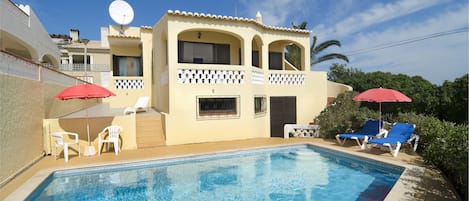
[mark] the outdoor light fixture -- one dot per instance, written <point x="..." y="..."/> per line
<point x="199" y="35"/>
<point x="89" y="149"/>
<point x="85" y="41"/>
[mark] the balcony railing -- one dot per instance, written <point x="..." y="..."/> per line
<point x="129" y="83"/>
<point x="227" y="74"/>
<point x="81" y="67"/>
<point x="287" y="78"/>
<point x="210" y="76"/>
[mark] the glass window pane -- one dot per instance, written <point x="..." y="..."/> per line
<point x="127" y="66"/>
<point x="217" y="106"/>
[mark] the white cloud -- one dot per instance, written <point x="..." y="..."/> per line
<point x="376" y="14"/>
<point x="435" y="59"/>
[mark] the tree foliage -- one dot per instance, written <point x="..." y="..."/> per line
<point x="453" y="100"/>
<point x="448" y="102"/>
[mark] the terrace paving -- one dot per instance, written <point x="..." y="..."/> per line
<point x="432" y="185"/>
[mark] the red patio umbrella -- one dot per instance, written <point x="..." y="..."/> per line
<point x="85" y="91"/>
<point x="381" y="95"/>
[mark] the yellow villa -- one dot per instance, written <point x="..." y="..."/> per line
<point x="208" y="78"/>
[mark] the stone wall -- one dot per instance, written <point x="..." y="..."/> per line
<point x="25" y="101"/>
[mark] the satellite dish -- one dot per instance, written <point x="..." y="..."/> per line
<point x="121" y="12"/>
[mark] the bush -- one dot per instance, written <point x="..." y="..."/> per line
<point x="442" y="144"/>
<point x="344" y="115"/>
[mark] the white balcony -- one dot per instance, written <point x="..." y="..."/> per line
<point x="81" y="67"/>
<point x="236" y="75"/>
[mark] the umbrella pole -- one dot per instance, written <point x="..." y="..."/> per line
<point x="380" y="126"/>
<point x="89" y="149"/>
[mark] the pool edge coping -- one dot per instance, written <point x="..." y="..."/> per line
<point x="402" y="189"/>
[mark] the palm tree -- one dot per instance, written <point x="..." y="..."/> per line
<point x="315" y="50"/>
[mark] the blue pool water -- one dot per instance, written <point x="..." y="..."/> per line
<point x="302" y="172"/>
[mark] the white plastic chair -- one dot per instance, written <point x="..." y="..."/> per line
<point x="140" y="105"/>
<point x="60" y="141"/>
<point x="112" y="137"/>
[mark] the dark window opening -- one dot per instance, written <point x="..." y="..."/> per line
<point x="275" y="60"/>
<point x="203" y="53"/>
<point x="80" y="59"/>
<point x="217" y="106"/>
<point x="255" y="58"/>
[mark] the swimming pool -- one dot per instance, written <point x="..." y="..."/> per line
<point x="300" y="172"/>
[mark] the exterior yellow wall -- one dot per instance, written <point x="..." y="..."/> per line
<point x="100" y="58"/>
<point x="160" y="84"/>
<point x="128" y="31"/>
<point x="128" y="97"/>
<point x="334" y="88"/>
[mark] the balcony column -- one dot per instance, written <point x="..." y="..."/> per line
<point x="265" y="56"/>
<point x="246" y="48"/>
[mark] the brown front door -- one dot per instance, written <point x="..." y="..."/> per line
<point x="282" y="111"/>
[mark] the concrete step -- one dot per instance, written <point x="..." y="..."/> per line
<point x="150" y="131"/>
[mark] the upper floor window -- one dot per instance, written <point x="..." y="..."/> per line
<point x="80" y="59"/>
<point x="127" y="66"/>
<point x="203" y="53"/>
<point x="79" y="62"/>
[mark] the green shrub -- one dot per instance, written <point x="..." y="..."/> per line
<point x="343" y="115"/>
<point x="442" y="144"/>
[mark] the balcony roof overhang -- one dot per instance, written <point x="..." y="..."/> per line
<point x="124" y="40"/>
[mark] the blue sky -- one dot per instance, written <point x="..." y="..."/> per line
<point x="428" y="38"/>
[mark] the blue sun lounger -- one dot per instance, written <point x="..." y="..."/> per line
<point x="399" y="134"/>
<point x="370" y="129"/>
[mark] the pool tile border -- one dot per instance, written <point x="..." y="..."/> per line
<point x="402" y="190"/>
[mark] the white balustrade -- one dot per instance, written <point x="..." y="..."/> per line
<point x="128" y="84"/>
<point x="286" y="79"/>
<point x="205" y="76"/>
